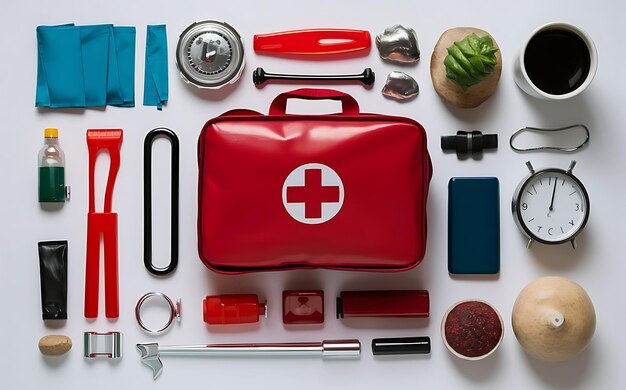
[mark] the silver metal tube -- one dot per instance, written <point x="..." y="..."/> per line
<point x="326" y="349"/>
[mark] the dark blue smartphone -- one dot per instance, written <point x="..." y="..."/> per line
<point x="473" y="225"/>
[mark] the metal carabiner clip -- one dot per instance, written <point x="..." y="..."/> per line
<point x="558" y="149"/>
<point x="147" y="201"/>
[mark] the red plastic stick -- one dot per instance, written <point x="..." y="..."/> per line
<point x="102" y="225"/>
<point x="313" y="42"/>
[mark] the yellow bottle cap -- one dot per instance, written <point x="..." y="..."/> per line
<point x="51" y="132"/>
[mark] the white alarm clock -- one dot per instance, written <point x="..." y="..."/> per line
<point x="551" y="206"/>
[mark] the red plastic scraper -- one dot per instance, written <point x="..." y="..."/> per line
<point x="102" y="225"/>
<point x="320" y="41"/>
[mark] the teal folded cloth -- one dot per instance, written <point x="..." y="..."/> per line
<point x="155" y="87"/>
<point x="59" y="67"/>
<point x="93" y="40"/>
<point x="125" y="47"/>
<point x="85" y="66"/>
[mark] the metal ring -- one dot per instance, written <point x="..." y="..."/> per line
<point x="175" y="311"/>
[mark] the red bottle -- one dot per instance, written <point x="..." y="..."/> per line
<point x="232" y="309"/>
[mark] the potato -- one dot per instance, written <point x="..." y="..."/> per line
<point x="448" y="89"/>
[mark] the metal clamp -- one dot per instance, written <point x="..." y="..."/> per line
<point x="175" y="311"/>
<point x="108" y="344"/>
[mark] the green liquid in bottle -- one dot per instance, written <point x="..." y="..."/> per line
<point x="51" y="184"/>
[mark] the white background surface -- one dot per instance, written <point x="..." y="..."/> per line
<point x="597" y="265"/>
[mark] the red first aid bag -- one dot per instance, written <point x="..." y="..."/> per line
<point x="342" y="191"/>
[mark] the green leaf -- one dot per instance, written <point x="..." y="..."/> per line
<point x="465" y="47"/>
<point x="470" y="60"/>
<point x="460" y="58"/>
<point x="454" y="67"/>
<point x="477" y="63"/>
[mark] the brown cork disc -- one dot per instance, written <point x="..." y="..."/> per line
<point x="448" y="89"/>
<point x="55" y="345"/>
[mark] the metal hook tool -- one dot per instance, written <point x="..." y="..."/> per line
<point x="147" y="201"/>
<point x="150" y="352"/>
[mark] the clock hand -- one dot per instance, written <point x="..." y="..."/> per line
<point x="553" y="191"/>
<point x="208" y="56"/>
<point x="205" y="48"/>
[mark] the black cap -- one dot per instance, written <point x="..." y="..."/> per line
<point x="401" y="346"/>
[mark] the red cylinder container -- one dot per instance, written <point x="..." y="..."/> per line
<point x="389" y="303"/>
<point x="232" y="309"/>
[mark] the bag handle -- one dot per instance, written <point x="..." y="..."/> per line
<point x="349" y="105"/>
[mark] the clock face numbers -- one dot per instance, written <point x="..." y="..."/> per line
<point x="552" y="206"/>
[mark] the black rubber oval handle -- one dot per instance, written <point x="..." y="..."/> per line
<point x="147" y="200"/>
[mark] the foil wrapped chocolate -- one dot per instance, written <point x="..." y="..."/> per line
<point x="398" y="44"/>
<point x="400" y="86"/>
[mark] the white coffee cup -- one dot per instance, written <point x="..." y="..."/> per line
<point x="525" y="83"/>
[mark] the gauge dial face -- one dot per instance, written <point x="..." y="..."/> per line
<point x="209" y="53"/>
<point x="552" y="206"/>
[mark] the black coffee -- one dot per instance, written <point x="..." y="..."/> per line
<point x="557" y="61"/>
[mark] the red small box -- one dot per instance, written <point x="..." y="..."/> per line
<point x="303" y="307"/>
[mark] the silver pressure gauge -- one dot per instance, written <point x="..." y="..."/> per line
<point x="210" y="54"/>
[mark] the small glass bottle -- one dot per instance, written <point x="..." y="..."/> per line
<point x="51" y="161"/>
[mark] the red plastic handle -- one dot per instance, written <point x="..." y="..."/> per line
<point x="102" y="226"/>
<point x="349" y="105"/>
<point x="109" y="140"/>
<point x="319" y="41"/>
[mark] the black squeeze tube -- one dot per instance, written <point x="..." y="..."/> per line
<point x="53" y="274"/>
